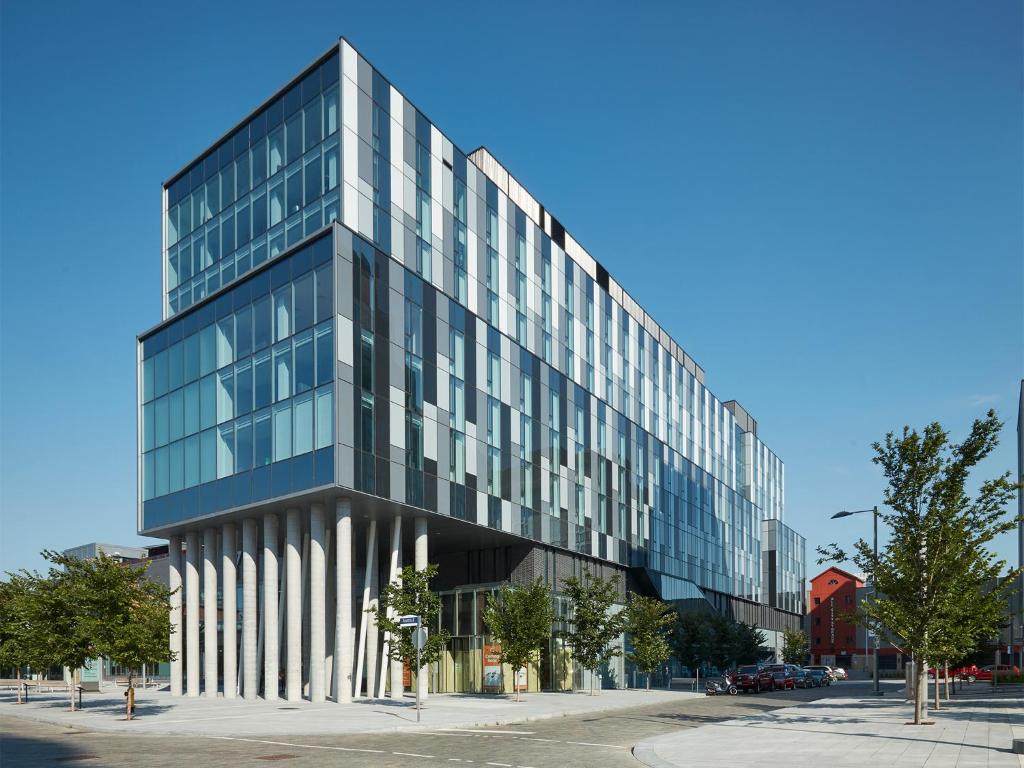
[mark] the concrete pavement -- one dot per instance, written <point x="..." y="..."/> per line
<point x="974" y="729"/>
<point x="159" y="713"/>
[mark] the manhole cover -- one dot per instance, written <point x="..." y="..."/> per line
<point x="69" y="758"/>
<point x="276" y="757"/>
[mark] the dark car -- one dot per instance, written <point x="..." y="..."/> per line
<point x="826" y="671"/>
<point x="820" y="675"/>
<point x="803" y="677"/>
<point x="753" y="678"/>
<point x="783" y="676"/>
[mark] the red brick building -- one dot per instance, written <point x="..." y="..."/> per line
<point x="833" y="637"/>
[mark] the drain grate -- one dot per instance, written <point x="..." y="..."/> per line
<point x="277" y="757"/>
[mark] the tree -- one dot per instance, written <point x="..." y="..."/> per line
<point x="649" y="623"/>
<point x="16" y="647"/>
<point x="411" y="596"/>
<point x="693" y="638"/>
<point x="794" y="646"/>
<point x="937" y="556"/>
<point x="748" y="644"/>
<point x="86" y="608"/>
<point x="520" y="618"/>
<point x="594" y="626"/>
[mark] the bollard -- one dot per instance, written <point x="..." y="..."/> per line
<point x="1018" y="746"/>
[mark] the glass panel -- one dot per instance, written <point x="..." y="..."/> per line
<point x="282" y="371"/>
<point x="324" y="354"/>
<point x="177" y="467"/>
<point x="243" y="388"/>
<point x="263" y="444"/>
<point x="263" y="384"/>
<point x="243" y="445"/>
<point x="191" y="355"/>
<point x="303" y="302"/>
<point x="207" y="350"/>
<point x="282" y="313"/>
<point x="225" y="395"/>
<point x="191" y="461"/>
<point x="208" y="456"/>
<point x="282" y="431"/>
<point x="259" y="163"/>
<point x="276" y="203"/>
<point x="324" y="293"/>
<point x="303" y="424"/>
<point x="276" y="151"/>
<point x="243" y="333"/>
<point x="324" y="417"/>
<point x="160" y="470"/>
<point x="331" y="111"/>
<point x="161" y="421"/>
<point x="293" y="136"/>
<point x="330" y="168"/>
<point x="147" y="380"/>
<point x="225" y="450"/>
<point x="313" y="123"/>
<point x="207" y="402"/>
<point x="192" y="408"/>
<point x="259" y="214"/>
<point x="148" y="426"/>
<point x="314" y="178"/>
<point x="304" y="362"/>
<point x="176" y="415"/>
<point x="262" y="318"/>
<point x="225" y="341"/>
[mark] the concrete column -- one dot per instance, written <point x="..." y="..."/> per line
<point x="343" y="595"/>
<point x="270" y="646"/>
<point x="210" y="611"/>
<point x="330" y="600"/>
<point x="364" y="617"/>
<point x="293" y="605"/>
<point x="192" y="612"/>
<point x="372" y="629"/>
<point x="423" y="675"/>
<point x="250" y="609"/>
<point x="397" y="688"/>
<point x="174" y="582"/>
<point x="230" y="610"/>
<point x="317" y="607"/>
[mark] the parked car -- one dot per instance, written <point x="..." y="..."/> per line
<point x="968" y="672"/>
<point x="985" y="673"/>
<point x="825" y="670"/>
<point x="753" y="677"/>
<point x="838" y="673"/>
<point x="783" y="676"/>
<point x="802" y="676"/>
<point x="820" y="675"/>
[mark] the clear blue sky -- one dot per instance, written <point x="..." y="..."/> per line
<point x="820" y="201"/>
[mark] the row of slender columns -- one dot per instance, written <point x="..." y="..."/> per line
<point x="261" y="631"/>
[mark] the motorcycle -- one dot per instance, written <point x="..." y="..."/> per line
<point x="720" y="686"/>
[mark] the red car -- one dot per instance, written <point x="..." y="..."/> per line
<point x="754" y="678"/>
<point x="783" y="676"/>
<point x="968" y="672"/>
<point x="985" y="673"/>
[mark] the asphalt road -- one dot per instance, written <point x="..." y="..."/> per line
<point x="600" y="740"/>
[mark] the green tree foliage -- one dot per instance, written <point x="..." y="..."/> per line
<point x="594" y="625"/>
<point x="17" y="648"/>
<point x="705" y="636"/>
<point x="936" y="566"/>
<point x="794" y="646"/>
<point x="86" y="608"/>
<point x="649" y="623"/>
<point x="520" y="617"/>
<point x="411" y="596"/>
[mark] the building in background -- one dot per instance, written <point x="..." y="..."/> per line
<point x="379" y="350"/>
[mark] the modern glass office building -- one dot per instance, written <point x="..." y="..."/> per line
<point x="365" y="326"/>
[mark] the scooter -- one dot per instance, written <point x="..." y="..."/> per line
<point x="720" y="687"/>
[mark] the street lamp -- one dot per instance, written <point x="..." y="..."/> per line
<point x="874" y="585"/>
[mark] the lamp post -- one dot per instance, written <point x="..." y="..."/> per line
<point x="874" y="585"/>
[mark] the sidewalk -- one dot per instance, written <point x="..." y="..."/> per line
<point x="972" y="730"/>
<point x="157" y="712"/>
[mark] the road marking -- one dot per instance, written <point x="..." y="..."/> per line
<point x="472" y="730"/>
<point x="301" y="746"/>
<point x="411" y="754"/>
<point x="500" y="765"/>
<point x="592" y="744"/>
<point x="527" y="738"/>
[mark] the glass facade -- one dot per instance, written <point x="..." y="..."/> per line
<point x="237" y="396"/>
<point x="271" y="183"/>
<point x="488" y="368"/>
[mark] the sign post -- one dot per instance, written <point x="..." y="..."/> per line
<point x="419" y="639"/>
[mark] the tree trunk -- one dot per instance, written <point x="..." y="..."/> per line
<point x="648" y="681"/>
<point x="592" y="682"/>
<point x="19" y="686"/>
<point x="919" y="692"/>
<point x="71" y="688"/>
<point x="945" y="679"/>
<point x="128" y="698"/>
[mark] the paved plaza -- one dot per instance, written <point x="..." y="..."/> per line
<point x="975" y="729"/>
